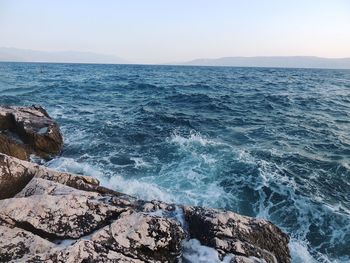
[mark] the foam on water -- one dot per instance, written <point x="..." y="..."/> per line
<point x="70" y="165"/>
<point x="246" y="140"/>
<point x="189" y="181"/>
<point x="143" y="190"/>
<point x="194" y="252"/>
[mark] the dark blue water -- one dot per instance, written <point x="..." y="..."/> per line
<point x="272" y="143"/>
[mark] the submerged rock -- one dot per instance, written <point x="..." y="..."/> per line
<point x="28" y="130"/>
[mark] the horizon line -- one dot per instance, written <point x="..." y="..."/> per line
<point x="170" y="65"/>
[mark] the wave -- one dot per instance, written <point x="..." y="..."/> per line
<point x="194" y="252"/>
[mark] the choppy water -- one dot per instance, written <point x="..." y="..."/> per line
<point x="272" y="143"/>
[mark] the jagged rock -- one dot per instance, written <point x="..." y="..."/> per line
<point x="62" y="216"/>
<point x="56" y="205"/>
<point x="39" y="186"/>
<point x="16" y="243"/>
<point x="15" y="174"/>
<point x="138" y="235"/>
<point x="82" y="251"/>
<point x="28" y="130"/>
<point x="229" y="232"/>
<point x="13" y="147"/>
<point x="242" y="259"/>
<point x="41" y="207"/>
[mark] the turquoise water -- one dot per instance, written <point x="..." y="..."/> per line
<point x="272" y="143"/>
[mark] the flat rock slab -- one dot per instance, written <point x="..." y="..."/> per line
<point x="28" y="130"/>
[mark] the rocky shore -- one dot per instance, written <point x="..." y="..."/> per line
<point x="51" y="216"/>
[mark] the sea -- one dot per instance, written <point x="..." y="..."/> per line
<point x="272" y="143"/>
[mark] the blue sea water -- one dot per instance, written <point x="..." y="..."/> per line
<point x="265" y="142"/>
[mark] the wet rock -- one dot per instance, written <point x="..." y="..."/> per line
<point x="229" y="232"/>
<point x="28" y="130"/>
<point x="138" y="235"/>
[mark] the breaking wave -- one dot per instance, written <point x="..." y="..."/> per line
<point x="271" y="143"/>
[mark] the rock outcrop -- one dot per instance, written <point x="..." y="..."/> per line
<point x="51" y="216"/>
<point x="229" y="232"/>
<point x="28" y="130"/>
<point x="73" y="220"/>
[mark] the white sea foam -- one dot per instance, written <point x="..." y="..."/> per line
<point x="137" y="187"/>
<point x="192" y="180"/>
<point x="139" y="162"/>
<point x="70" y="165"/>
<point x="194" y="252"/>
<point x="193" y="138"/>
<point x="300" y="252"/>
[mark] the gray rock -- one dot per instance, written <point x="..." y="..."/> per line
<point x="81" y="251"/>
<point x="16" y="243"/>
<point x="229" y="232"/>
<point x="15" y="174"/>
<point x="138" y="235"/>
<point x="61" y="216"/>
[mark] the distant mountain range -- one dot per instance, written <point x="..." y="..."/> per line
<point x="27" y="55"/>
<point x="285" y="61"/>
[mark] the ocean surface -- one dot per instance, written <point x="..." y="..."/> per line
<point x="265" y="142"/>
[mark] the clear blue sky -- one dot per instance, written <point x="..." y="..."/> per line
<point x="158" y="31"/>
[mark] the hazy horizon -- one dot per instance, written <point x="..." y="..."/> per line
<point x="25" y="55"/>
<point x="158" y="32"/>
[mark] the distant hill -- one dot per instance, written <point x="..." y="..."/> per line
<point x="287" y="62"/>
<point x="27" y="55"/>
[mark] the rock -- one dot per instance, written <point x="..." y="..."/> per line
<point x="242" y="259"/>
<point x="59" y="216"/>
<point x="231" y="233"/>
<point x="12" y="147"/>
<point x="15" y="174"/>
<point x="16" y="243"/>
<point x="107" y="226"/>
<point x="39" y="186"/>
<point x="28" y="130"/>
<point x="138" y="235"/>
<point x="82" y="251"/>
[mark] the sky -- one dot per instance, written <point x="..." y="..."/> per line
<point x="165" y="31"/>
